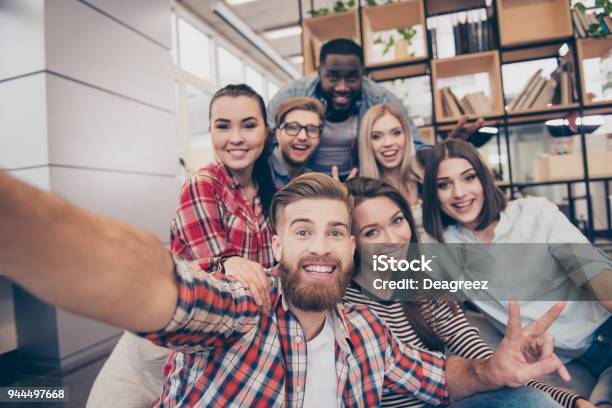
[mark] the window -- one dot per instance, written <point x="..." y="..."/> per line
<point x="197" y="106"/>
<point x="194" y="50"/>
<point x="272" y="89"/>
<point x="230" y="68"/>
<point x="255" y="80"/>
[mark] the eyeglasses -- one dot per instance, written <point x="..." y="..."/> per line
<point x="294" y="129"/>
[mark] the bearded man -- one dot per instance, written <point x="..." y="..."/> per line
<point x="308" y="350"/>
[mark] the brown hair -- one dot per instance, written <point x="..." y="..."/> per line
<point x="368" y="165"/>
<point x="363" y="189"/>
<point x="434" y="219"/>
<point x="309" y="186"/>
<point x="302" y="103"/>
<point x="261" y="170"/>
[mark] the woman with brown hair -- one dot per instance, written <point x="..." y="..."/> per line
<point x="536" y="250"/>
<point x="382" y="216"/>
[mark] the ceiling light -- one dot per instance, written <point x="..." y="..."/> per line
<point x="296" y="59"/>
<point x="228" y="16"/>
<point x="283" y="32"/>
<point x="237" y="2"/>
<point x="490" y="130"/>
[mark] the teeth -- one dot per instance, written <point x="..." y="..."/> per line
<point x="389" y="153"/>
<point x="461" y="205"/>
<point x="300" y="147"/>
<point x="319" y="268"/>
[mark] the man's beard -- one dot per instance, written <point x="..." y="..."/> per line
<point x="292" y="162"/>
<point x="310" y="296"/>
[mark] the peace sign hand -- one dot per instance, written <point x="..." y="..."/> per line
<point x="525" y="352"/>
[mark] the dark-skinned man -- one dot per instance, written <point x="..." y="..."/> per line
<point x="340" y="84"/>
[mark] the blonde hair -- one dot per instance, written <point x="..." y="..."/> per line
<point x="410" y="171"/>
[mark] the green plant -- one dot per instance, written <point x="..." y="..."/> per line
<point x="407" y="34"/>
<point x="597" y="30"/>
<point x="339" y="7"/>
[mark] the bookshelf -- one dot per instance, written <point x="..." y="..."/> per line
<point x="315" y="31"/>
<point x="521" y="31"/>
<point x="393" y="16"/>
<point x="525" y="21"/>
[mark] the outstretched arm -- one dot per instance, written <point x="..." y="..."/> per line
<point x="83" y="262"/>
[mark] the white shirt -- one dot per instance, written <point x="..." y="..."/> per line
<point x="537" y="221"/>
<point x="321" y="379"/>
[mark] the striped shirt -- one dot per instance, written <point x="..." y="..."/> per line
<point x="241" y="356"/>
<point x="452" y="327"/>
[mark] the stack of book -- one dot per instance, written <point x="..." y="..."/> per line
<point x="472" y="31"/>
<point x="587" y="24"/>
<point x="475" y="103"/>
<point x="540" y="91"/>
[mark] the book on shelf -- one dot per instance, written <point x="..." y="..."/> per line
<point x="471" y="31"/>
<point x="583" y="22"/>
<point x="540" y="91"/>
<point x="476" y="103"/>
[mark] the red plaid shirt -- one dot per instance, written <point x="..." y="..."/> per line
<point x="240" y="356"/>
<point x="215" y="221"/>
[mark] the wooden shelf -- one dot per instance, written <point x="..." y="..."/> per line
<point x="589" y="48"/>
<point x="435" y="7"/>
<point x="469" y="64"/>
<point x="428" y="135"/>
<point x="531" y="53"/>
<point x="317" y="30"/>
<point x="404" y="14"/>
<point x="524" y="22"/>
<point x="542" y="114"/>
<point x="489" y="122"/>
<point x="405" y="71"/>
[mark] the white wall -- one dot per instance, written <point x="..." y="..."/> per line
<point x="87" y="110"/>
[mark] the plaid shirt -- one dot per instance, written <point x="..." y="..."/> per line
<point x="215" y="221"/>
<point x="240" y="356"/>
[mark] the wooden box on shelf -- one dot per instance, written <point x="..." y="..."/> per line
<point x="317" y="30"/>
<point x="468" y="64"/>
<point x="531" y="21"/>
<point x="569" y="166"/>
<point x="428" y="135"/>
<point x="401" y="15"/>
<point x="589" y="48"/>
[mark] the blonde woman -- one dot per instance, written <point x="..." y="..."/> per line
<point x="386" y="152"/>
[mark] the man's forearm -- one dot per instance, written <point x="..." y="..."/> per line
<point x="85" y="263"/>
<point x="466" y="377"/>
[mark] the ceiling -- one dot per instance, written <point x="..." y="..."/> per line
<point x="260" y="15"/>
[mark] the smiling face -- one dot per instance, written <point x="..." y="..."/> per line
<point x="380" y="221"/>
<point x="341" y="79"/>
<point x="296" y="150"/>
<point x="460" y="191"/>
<point x="388" y="141"/>
<point x="314" y="247"/>
<point x="238" y="132"/>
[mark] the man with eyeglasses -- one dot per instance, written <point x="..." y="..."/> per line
<point x="299" y="123"/>
<point x="340" y="84"/>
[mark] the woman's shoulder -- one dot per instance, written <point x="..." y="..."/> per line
<point x="213" y="175"/>
<point x="530" y="207"/>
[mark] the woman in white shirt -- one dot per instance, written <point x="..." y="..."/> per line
<point x="549" y="258"/>
<point x="386" y="152"/>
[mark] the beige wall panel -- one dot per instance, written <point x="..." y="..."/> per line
<point x="23" y="125"/>
<point x="149" y="17"/>
<point x="93" y="128"/>
<point x="141" y="200"/>
<point x="86" y="45"/>
<point x="21" y="37"/>
<point x="38" y="177"/>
